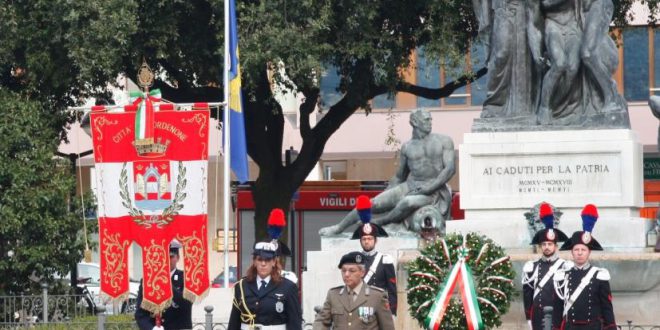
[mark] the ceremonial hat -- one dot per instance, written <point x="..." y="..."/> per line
<point x="174" y="248"/>
<point x="273" y="247"/>
<point x="549" y="233"/>
<point x="267" y="250"/>
<point x="589" y="217"/>
<point x="363" y="207"/>
<point x="352" y="258"/>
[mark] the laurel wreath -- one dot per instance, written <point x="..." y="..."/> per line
<point x="491" y="269"/>
<point x="168" y="213"/>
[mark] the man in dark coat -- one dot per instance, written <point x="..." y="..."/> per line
<point x="179" y="314"/>
<point x="538" y="288"/>
<point x="379" y="267"/>
<point x="584" y="290"/>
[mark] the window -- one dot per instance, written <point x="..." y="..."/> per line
<point x="432" y="75"/>
<point x="479" y="88"/>
<point x="636" y="63"/>
<point x="428" y="75"/>
<point x="329" y="85"/>
<point x="655" y="72"/>
<point x="384" y="101"/>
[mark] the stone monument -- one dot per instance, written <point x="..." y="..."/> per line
<point x="563" y="138"/>
<point x="418" y="195"/>
<point x="550" y="66"/>
<point x="553" y="128"/>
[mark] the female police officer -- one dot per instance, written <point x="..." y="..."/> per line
<point x="264" y="299"/>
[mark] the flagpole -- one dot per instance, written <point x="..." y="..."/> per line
<point x="226" y="179"/>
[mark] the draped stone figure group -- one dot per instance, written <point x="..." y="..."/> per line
<point x="550" y="65"/>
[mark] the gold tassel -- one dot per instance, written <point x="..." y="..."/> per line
<point x="154" y="308"/>
<point x="194" y="298"/>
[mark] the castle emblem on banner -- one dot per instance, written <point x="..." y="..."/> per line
<point x="152" y="185"/>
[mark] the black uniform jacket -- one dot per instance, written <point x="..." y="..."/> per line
<point x="177" y="316"/>
<point x="534" y="273"/>
<point x="593" y="307"/>
<point x="276" y="304"/>
<point x="384" y="277"/>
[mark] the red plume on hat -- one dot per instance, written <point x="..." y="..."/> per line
<point x="549" y="233"/>
<point x="547" y="216"/>
<point x="363" y="206"/>
<point x="276" y="223"/>
<point x="589" y="217"/>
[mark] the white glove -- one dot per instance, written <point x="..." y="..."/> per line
<point x="529" y="323"/>
<point x="156" y="327"/>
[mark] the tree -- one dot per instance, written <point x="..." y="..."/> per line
<point x="40" y="233"/>
<point x="69" y="50"/>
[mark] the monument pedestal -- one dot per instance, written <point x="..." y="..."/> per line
<point x="504" y="174"/>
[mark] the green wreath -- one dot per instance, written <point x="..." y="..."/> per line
<point x="491" y="270"/>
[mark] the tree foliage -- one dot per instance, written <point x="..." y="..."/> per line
<point x="63" y="51"/>
<point x="39" y="233"/>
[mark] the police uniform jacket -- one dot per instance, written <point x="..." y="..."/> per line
<point x="383" y="277"/>
<point x="592" y="309"/>
<point x="368" y="310"/>
<point x="177" y="316"/>
<point x="534" y="273"/>
<point x="276" y="304"/>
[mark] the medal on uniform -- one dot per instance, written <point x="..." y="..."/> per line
<point x="279" y="305"/>
<point x="365" y="313"/>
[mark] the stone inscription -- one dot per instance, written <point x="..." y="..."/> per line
<point x="542" y="175"/>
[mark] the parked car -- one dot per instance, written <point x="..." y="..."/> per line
<point x="219" y="280"/>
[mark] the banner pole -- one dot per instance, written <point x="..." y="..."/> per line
<point x="226" y="179"/>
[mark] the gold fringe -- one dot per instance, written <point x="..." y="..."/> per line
<point x="154" y="308"/>
<point x="106" y="298"/>
<point x="194" y="298"/>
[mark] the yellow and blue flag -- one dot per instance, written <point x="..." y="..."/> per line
<point x="238" y="160"/>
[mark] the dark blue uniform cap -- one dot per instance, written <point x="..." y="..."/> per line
<point x="352" y="258"/>
<point x="267" y="250"/>
<point x="174" y="248"/>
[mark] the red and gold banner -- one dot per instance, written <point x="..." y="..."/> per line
<point x="152" y="192"/>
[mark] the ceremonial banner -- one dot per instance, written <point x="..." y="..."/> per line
<point x="153" y="189"/>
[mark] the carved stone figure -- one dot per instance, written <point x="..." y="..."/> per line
<point x="599" y="55"/>
<point x="563" y="37"/>
<point x="511" y="89"/>
<point x="426" y="165"/>
<point x="568" y="73"/>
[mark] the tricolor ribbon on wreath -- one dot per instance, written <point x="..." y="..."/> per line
<point x="152" y="190"/>
<point x="460" y="275"/>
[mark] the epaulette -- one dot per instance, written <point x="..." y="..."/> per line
<point x="560" y="275"/>
<point x="337" y="287"/>
<point x="567" y="265"/>
<point x="528" y="267"/>
<point x="376" y="288"/>
<point x="387" y="259"/>
<point x="603" y="274"/>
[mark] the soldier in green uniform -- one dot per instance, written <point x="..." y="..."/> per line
<point x="354" y="305"/>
